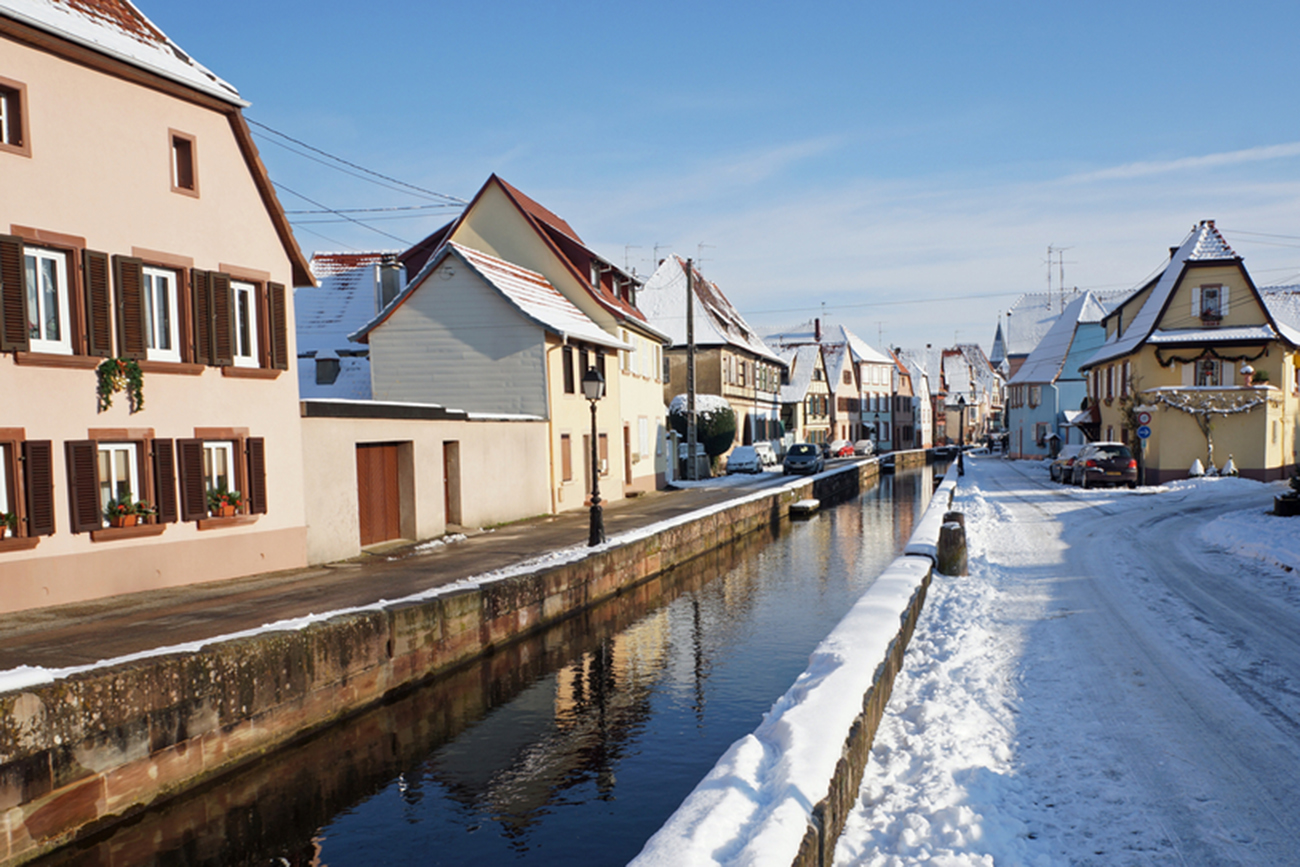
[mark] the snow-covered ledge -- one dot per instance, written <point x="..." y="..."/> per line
<point x="780" y="795"/>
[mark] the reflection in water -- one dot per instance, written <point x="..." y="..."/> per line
<point x="570" y="747"/>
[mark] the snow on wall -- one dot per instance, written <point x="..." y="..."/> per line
<point x="753" y="809"/>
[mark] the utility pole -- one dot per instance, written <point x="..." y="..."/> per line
<point x="692" y="471"/>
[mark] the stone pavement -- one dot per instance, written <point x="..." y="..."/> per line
<point x="86" y="632"/>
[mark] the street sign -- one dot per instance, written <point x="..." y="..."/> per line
<point x="1144" y="418"/>
<point x="1144" y="431"/>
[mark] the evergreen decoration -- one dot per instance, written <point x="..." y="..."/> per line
<point x="120" y="374"/>
<point x="715" y="422"/>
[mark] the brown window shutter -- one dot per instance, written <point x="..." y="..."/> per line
<point x="201" y="306"/>
<point x="194" y="493"/>
<point x="279" y="327"/>
<point x="164" y="481"/>
<point x="128" y="280"/>
<point x="13" y="296"/>
<point x="256" y="478"/>
<point x="223" y="320"/>
<point x="38" y="482"/>
<point x="83" y="485"/>
<point x="98" y="302"/>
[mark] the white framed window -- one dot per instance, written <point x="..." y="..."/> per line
<point x="48" y="324"/>
<point x="1208" y="373"/>
<point x="162" y="332"/>
<point x="245" y="324"/>
<point x="219" y="465"/>
<point x="643" y="436"/>
<point x="5" y="481"/>
<point x="119" y="473"/>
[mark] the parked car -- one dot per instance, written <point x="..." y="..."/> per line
<point x="744" y="459"/>
<point x="1062" y="469"/>
<point x="766" y="455"/>
<point x="841" y="449"/>
<point x="864" y="447"/>
<point x="1105" y="464"/>
<point x="803" y="458"/>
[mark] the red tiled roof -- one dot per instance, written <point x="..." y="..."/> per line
<point x="122" y="15"/>
<point x="536" y="211"/>
<point x="329" y="264"/>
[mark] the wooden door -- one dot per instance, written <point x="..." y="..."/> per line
<point x="378" y="501"/>
<point x="451" y="480"/>
<point x="627" y="454"/>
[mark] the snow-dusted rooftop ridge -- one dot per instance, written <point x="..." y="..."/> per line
<point x="835" y="356"/>
<point x="1203" y="243"/>
<point x="801" y="360"/>
<point x="1033" y="315"/>
<point x="1283" y="303"/>
<point x="117" y="29"/>
<point x="863" y="351"/>
<point x="527" y="290"/>
<point x="1045" y="362"/>
<point x="717" y="322"/>
<point x="343" y="300"/>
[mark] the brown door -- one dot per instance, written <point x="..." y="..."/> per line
<point x="378" y="501"/>
<point x="451" y="480"/>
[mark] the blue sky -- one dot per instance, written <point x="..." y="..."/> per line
<point x="904" y="165"/>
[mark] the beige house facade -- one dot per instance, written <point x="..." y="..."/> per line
<point x="1204" y="360"/>
<point x="502" y="222"/>
<point x="175" y="263"/>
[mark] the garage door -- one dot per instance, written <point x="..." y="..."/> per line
<point x="378" y="501"/>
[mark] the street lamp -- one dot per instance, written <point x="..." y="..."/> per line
<point x="593" y="389"/>
<point x="961" y="434"/>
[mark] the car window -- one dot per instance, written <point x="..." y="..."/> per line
<point x="802" y="450"/>
<point x="1114" y="452"/>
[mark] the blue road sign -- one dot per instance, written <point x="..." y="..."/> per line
<point x="1144" y="431"/>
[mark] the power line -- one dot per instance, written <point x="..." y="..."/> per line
<point x="353" y="165"/>
<point x="344" y="216"/>
<point x="370" y="210"/>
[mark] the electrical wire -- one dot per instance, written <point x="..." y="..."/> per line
<point x="344" y="216"/>
<point x="353" y="165"/>
<point x="369" y="210"/>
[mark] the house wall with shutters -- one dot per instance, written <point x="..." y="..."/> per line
<point x="502" y="463"/>
<point x="97" y="186"/>
<point x="457" y="342"/>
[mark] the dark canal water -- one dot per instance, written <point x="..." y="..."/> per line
<point x="570" y="748"/>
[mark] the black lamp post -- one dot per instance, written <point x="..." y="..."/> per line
<point x="961" y="434"/>
<point x="593" y="389"/>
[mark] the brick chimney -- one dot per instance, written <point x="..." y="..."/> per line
<point x="817" y="329"/>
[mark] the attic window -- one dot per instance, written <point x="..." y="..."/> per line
<point x="185" y="178"/>
<point x="13" y="118"/>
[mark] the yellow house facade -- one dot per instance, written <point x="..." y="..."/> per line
<point x="1205" y="362"/>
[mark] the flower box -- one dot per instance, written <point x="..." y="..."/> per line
<point x="122" y="521"/>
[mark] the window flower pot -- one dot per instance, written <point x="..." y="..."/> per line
<point x="224" y="512"/>
<point x="122" y="521"/>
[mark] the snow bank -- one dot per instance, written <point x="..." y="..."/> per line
<point x="755" y="806"/>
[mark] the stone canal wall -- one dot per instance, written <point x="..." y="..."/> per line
<point x="95" y="748"/>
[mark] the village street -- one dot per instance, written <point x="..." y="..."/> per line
<point x="1116" y="682"/>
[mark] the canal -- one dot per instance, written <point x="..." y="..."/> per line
<point x="570" y="747"/>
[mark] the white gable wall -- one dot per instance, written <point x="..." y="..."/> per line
<point x="457" y="342"/>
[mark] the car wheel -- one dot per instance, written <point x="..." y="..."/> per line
<point x="1083" y="481"/>
<point x="1132" y="485"/>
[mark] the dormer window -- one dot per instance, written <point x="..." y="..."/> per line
<point x="1210" y="304"/>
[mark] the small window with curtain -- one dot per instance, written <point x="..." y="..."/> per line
<point x="49" y="318"/>
<point x="162" y="321"/>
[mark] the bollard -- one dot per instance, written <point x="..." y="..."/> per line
<point x="951" y="551"/>
<point x="959" y="517"/>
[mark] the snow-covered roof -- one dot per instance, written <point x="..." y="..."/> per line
<point x="530" y="293"/>
<point x="352" y="382"/>
<point x="705" y="405"/>
<point x="801" y="360"/>
<point x="1283" y="303"/>
<point x="1045" y="362"/>
<point x="117" y="29"/>
<point x="835" y="356"/>
<point x="863" y="351"/>
<point x="1034" y="314"/>
<point x="1202" y="244"/>
<point x="1238" y="334"/>
<point x="343" y="300"/>
<point x="663" y="301"/>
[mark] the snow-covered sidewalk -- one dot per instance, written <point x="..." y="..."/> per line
<point x="1116" y="682"/>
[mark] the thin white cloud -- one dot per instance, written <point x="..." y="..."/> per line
<point x="1160" y="167"/>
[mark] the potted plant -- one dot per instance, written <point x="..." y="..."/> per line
<point x="143" y="511"/>
<point x="8" y="524"/>
<point x="223" y="503"/>
<point x="121" y="511"/>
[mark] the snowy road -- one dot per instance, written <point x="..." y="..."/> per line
<point x="1116" y="682"/>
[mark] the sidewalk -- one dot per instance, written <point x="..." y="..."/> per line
<point x="86" y="632"/>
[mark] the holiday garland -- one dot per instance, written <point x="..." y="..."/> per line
<point x="1209" y="352"/>
<point x="120" y="374"/>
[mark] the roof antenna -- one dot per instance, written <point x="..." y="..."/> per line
<point x="699" y="253"/>
<point x="627" y="247"/>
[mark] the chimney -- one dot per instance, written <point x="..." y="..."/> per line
<point x="390" y="279"/>
<point x="817" y="329"/>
